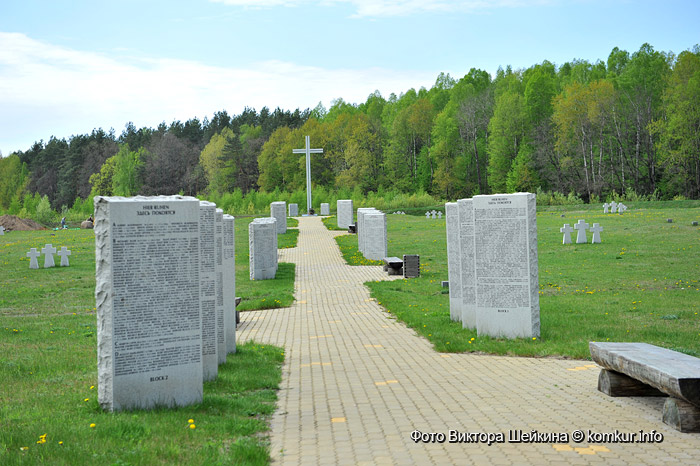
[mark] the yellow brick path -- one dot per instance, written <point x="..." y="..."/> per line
<point x="356" y="384"/>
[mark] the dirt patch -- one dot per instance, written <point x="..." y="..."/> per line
<point x="12" y="222"/>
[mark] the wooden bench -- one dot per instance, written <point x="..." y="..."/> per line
<point x="641" y="369"/>
<point x="393" y="265"/>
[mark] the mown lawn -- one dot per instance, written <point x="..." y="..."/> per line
<point x="48" y="373"/>
<point x="640" y="284"/>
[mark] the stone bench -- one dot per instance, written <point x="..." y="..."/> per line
<point x="393" y="265"/>
<point x="641" y="369"/>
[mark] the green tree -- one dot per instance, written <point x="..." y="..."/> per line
<point x="679" y="132"/>
<point x="506" y="132"/>
<point x="128" y="166"/>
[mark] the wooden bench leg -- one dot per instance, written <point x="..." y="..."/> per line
<point x="616" y="384"/>
<point x="681" y="415"/>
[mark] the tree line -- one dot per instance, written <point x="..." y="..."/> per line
<point x="627" y="124"/>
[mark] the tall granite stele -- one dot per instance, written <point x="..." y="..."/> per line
<point x="505" y="263"/>
<point x="345" y="213"/>
<point x="278" y="211"/>
<point x="208" y="287"/>
<point x="220" y="327"/>
<point x="262" y="242"/>
<point x="453" y="260"/>
<point x="149" y="332"/>
<point x="229" y="276"/>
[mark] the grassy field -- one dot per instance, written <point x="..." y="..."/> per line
<point x="48" y="371"/>
<point x="639" y="284"/>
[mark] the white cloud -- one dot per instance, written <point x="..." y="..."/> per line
<point x="50" y="90"/>
<point x="384" y="8"/>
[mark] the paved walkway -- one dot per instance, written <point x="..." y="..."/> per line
<point x="356" y="384"/>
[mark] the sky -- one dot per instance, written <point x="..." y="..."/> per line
<point x="68" y="67"/>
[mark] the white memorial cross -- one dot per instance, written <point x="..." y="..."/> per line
<point x="439" y="214"/>
<point x="48" y="251"/>
<point x="567" y="230"/>
<point x="596" y="229"/>
<point x="64" y="253"/>
<point x="605" y="208"/>
<point x="613" y="207"/>
<point x="427" y="215"/>
<point x="581" y="226"/>
<point x="433" y="214"/>
<point x="308" y="151"/>
<point x="33" y="255"/>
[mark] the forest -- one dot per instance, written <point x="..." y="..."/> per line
<point x="629" y="124"/>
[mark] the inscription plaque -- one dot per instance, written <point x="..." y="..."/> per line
<point x="149" y="339"/>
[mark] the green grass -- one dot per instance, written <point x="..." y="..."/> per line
<point x="639" y="284"/>
<point x="48" y="372"/>
<point x="331" y="223"/>
<point x="263" y="294"/>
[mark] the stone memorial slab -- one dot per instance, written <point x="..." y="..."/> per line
<point x="208" y="287"/>
<point x="262" y="242"/>
<point x="581" y="226"/>
<point x="411" y="266"/>
<point x="374" y="233"/>
<point x="345" y="212"/>
<point x="220" y="328"/>
<point x="63" y="254"/>
<point x="507" y="287"/>
<point x="293" y="210"/>
<point x="567" y="230"/>
<point x="465" y="208"/>
<point x="278" y="210"/>
<point x="229" y="276"/>
<point x="33" y="256"/>
<point x="325" y="208"/>
<point x="596" y="229"/>
<point x="48" y="251"/>
<point x="361" y="236"/>
<point x="149" y="337"/>
<point x="453" y="260"/>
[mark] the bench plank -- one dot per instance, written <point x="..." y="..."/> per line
<point x="671" y="372"/>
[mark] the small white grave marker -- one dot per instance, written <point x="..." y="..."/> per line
<point x="596" y="229"/>
<point x="567" y="230"/>
<point x="2" y="230"/>
<point x="64" y="253"/>
<point x="439" y="214"/>
<point x="33" y="255"/>
<point x="427" y="215"/>
<point x="433" y="214"/>
<point x="613" y="207"/>
<point x="48" y="251"/>
<point x="606" y="206"/>
<point x="581" y="226"/>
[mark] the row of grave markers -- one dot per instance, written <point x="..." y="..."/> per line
<point x="48" y="251"/>
<point x="581" y="226"/>
<point x="433" y="214"/>
<point x="492" y="264"/>
<point x="614" y="207"/>
<point x="165" y="295"/>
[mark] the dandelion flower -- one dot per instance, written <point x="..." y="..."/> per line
<point x="190" y="421"/>
<point x="92" y="426"/>
<point x="192" y="426"/>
